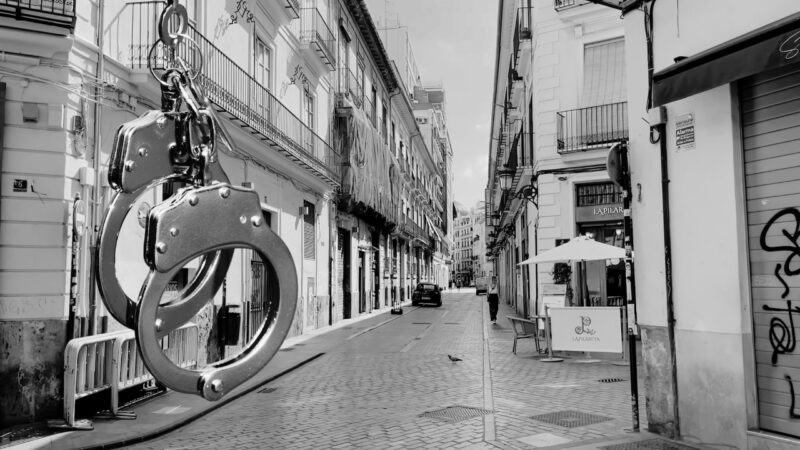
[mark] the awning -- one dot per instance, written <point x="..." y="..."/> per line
<point x="768" y="47"/>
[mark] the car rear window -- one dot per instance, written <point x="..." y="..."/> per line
<point x="426" y="287"/>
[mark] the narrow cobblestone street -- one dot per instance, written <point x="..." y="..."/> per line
<point x="372" y="389"/>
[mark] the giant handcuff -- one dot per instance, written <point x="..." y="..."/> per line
<point x="208" y="219"/>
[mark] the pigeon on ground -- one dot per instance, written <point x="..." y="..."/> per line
<point x="453" y="358"/>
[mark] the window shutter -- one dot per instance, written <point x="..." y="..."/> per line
<point x="309" y="234"/>
<point x="604" y="73"/>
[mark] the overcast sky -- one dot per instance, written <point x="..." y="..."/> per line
<point x="454" y="42"/>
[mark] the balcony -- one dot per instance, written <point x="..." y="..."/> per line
<point x="561" y="5"/>
<point x="234" y="92"/>
<point x="522" y="30"/>
<point x="54" y="12"/>
<point x="293" y="8"/>
<point x="369" y="110"/>
<point x="592" y="127"/>
<point x="349" y="87"/>
<point x="314" y="31"/>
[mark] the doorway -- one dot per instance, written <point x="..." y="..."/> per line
<point x="362" y="284"/>
<point x="605" y="280"/>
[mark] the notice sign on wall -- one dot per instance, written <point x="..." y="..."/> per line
<point x="584" y="329"/>
<point x="684" y="132"/>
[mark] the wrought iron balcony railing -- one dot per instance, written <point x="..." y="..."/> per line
<point x="60" y="13"/>
<point x="349" y="86"/>
<point x="592" y="127"/>
<point x="522" y="29"/>
<point x="315" y="32"/>
<point x="237" y="93"/>
<point x="293" y="6"/>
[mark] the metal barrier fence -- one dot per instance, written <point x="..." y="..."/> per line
<point x="111" y="361"/>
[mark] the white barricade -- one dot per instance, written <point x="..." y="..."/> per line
<point x="112" y="361"/>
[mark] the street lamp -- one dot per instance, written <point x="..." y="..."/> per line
<point x="506" y="175"/>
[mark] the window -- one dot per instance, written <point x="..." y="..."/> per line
<point x="309" y="232"/>
<point x="604" y="73"/>
<point x="360" y="77"/>
<point x="263" y="73"/>
<point x="599" y="194"/>
<point x="374" y="99"/>
<point x="308" y="107"/>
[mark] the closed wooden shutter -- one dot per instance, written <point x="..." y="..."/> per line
<point x="309" y="232"/>
<point x="771" y="141"/>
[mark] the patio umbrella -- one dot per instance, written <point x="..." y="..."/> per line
<point x="580" y="249"/>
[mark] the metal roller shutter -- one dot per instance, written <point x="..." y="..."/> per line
<point x="770" y="107"/>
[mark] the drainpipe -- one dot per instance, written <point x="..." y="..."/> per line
<point x="96" y="207"/>
<point x="658" y="131"/>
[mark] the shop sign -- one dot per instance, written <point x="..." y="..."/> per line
<point x="600" y="213"/>
<point x="584" y="329"/>
<point x="684" y="132"/>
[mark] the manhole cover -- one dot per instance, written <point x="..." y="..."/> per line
<point x="268" y="390"/>
<point x="650" y="444"/>
<point x="611" y="380"/>
<point x="288" y="349"/>
<point x="571" y="419"/>
<point x="455" y="413"/>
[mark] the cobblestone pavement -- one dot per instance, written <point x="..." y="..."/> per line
<point x="372" y="389"/>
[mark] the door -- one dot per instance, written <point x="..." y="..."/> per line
<point x="770" y="117"/>
<point x="362" y="282"/>
<point x="343" y="253"/>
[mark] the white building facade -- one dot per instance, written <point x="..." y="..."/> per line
<point x="282" y="75"/>
<point x="560" y="104"/>
<point x="716" y="278"/>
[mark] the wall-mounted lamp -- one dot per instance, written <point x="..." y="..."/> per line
<point x="506" y="176"/>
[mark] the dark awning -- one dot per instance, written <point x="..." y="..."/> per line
<point x="768" y="47"/>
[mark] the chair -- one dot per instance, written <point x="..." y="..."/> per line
<point x="524" y="328"/>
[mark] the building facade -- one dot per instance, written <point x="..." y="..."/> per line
<point x="715" y="277"/>
<point x="560" y="104"/>
<point x="462" y="254"/>
<point x="310" y="99"/>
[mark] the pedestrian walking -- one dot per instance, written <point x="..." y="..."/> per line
<point x="493" y="300"/>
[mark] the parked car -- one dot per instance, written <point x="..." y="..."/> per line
<point x="426" y="293"/>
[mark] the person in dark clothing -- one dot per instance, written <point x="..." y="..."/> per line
<point x="494" y="301"/>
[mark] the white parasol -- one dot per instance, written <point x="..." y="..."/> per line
<point x="581" y="248"/>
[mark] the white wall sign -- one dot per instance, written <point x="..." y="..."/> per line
<point x="586" y="329"/>
<point x="684" y="132"/>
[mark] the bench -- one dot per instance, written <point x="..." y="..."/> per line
<point x="523" y="329"/>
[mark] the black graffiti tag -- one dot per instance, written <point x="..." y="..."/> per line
<point x="782" y="338"/>
<point x="793" y="248"/>
<point x="792" y="414"/>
